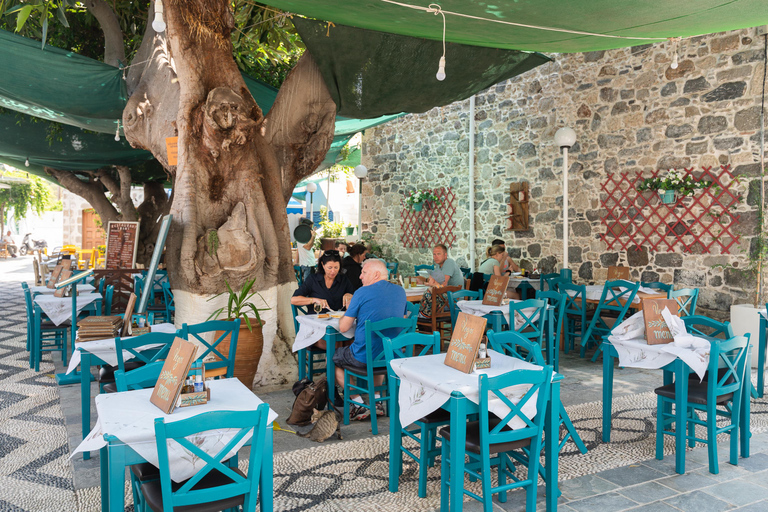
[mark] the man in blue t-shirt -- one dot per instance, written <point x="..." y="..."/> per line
<point x="377" y="300"/>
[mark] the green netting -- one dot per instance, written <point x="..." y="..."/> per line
<point x="634" y="20"/>
<point x="373" y="73"/>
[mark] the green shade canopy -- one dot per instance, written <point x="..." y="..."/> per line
<point x="371" y="73"/>
<point x="626" y="22"/>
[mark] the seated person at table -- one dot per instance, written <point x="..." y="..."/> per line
<point x="377" y="300"/>
<point x="507" y="264"/>
<point x="352" y="265"/>
<point x="11" y="245"/>
<point x="326" y="287"/>
<point x="341" y="246"/>
<point x="446" y="272"/>
<point x="495" y="255"/>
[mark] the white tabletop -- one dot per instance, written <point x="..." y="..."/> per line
<point x="81" y="288"/>
<point x="105" y="349"/>
<point x="59" y="309"/>
<point x="477" y="308"/>
<point x="515" y="281"/>
<point x="426" y="383"/>
<point x="312" y="330"/>
<point x="413" y="291"/>
<point x="130" y="417"/>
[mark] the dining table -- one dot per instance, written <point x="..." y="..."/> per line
<point x="633" y="351"/>
<point x="88" y="354"/>
<point x="424" y="384"/>
<point x="313" y="329"/>
<point x="125" y="435"/>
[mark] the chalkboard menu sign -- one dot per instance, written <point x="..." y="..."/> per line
<point x="656" y="329"/>
<point x="122" y="241"/>
<point x="497" y="288"/>
<point x="172" y="376"/>
<point x="465" y="341"/>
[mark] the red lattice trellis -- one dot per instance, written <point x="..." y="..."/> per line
<point x="698" y="223"/>
<point x="432" y="225"/>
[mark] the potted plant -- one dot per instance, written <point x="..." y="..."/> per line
<point x="350" y="229"/>
<point x="672" y="185"/>
<point x="330" y="231"/>
<point x="416" y="199"/>
<point x="250" y="341"/>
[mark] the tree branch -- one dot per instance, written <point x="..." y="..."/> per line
<point x="124" y="202"/>
<point x="93" y="192"/>
<point x="301" y="122"/>
<point x="114" y="48"/>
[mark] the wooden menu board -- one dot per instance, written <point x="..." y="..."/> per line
<point x="55" y="276"/>
<point x="465" y="341"/>
<point x="65" y="274"/>
<point x="122" y="242"/>
<point x="497" y="289"/>
<point x="656" y="329"/>
<point x="172" y="376"/>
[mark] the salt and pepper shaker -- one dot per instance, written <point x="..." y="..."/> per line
<point x="198" y="383"/>
<point x="482" y="352"/>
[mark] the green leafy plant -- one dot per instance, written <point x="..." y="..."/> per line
<point x="420" y="196"/>
<point x="380" y="250"/>
<point x="682" y="183"/>
<point x="328" y="228"/>
<point x="239" y="304"/>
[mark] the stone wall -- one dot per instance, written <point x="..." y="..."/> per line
<point x="631" y="112"/>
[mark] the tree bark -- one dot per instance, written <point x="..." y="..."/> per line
<point x="114" y="48"/>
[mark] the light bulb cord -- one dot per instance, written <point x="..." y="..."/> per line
<point x="436" y="9"/>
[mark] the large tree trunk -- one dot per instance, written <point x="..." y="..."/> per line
<point x="236" y="168"/>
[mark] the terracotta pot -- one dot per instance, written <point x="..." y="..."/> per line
<point x="250" y="345"/>
<point x="327" y="244"/>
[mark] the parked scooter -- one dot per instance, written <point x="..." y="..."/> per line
<point x="29" y="245"/>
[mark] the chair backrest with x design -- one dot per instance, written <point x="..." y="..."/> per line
<point x="686" y="300"/>
<point x="454" y="297"/>
<point x="530" y="322"/>
<point x="617" y="296"/>
<point x="250" y="423"/>
<point x="375" y="332"/>
<point x="142" y="377"/>
<point x="410" y="345"/>
<point x="703" y="326"/>
<point x="657" y="285"/>
<point x="222" y="330"/>
<point x="528" y="385"/>
<point x="416" y="268"/>
<point x="557" y="301"/>
<point x="548" y="282"/>
<point x="727" y="360"/>
<point x="575" y="298"/>
<point x="137" y="347"/>
<point x="299" y="310"/>
<point x="514" y="345"/>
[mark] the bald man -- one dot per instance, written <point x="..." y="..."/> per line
<point x="377" y="300"/>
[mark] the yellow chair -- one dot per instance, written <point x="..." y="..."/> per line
<point x="86" y="259"/>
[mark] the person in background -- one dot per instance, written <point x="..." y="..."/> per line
<point x="377" y="300"/>
<point x="352" y="265"/>
<point x="494" y="257"/>
<point x="341" y="246"/>
<point x="446" y="272"/>
<point x="307" y="258"/>
<point x="507" y="264"/>
<point x="11" y="247"/>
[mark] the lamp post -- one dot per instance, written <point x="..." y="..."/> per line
<point x="311" y="188"/>
<point x="361" y="172"/>
<point x="565" y="138"/>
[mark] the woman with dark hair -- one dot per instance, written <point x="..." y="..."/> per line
<point x="352" y="265"/>
<point x="327" y="287"/>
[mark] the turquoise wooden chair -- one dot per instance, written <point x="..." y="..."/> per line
<point x="553" y="334"/>
<point x="532" y="326"/>
<point x="704" y="326"/>
<point x="216" y="484"/>
<point x="575" y="313"/>
<point x="454" y="297"/>
<point x="489" y="440"/>
<point x="140" y="356"/>
<point x="466" y="272"/>
<point x="425" y="433"/>
<point x="686" y="300"/>
<point x="657" y="285"/>
<point x="548" y="282"/>
<point x="392" y="267"/>
<point x="42" y="334"/>
<point x="514" y="345"/>
<point x="108" y="296"/>
<point x="375" y="366"/>
<point x="310" y="356"/>
<point x="727" y="360"/>
<point x="170" y="306"/>
<point x="299" y="274"/>
<point x="223" y="364"/>
<point x="616" y="299"/>
<point x="412" y="309"/>
<point x="416" y="268"/>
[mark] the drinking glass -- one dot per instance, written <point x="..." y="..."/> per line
<point x="318" y="307"/>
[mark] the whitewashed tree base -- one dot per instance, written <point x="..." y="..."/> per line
<point x="277" y="367"/>
<point x="746" y="319"/>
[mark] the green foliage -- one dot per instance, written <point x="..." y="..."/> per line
<point x="328" y="229"/>
<point x="421" y="195"/>
<point x="380" y="250"/>
<point x="239" y="305"/>
<point x="674" y="180"/>
<point x="24" y="193"/>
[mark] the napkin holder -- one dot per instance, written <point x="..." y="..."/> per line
<point x="138" y="331"/>
<point x="483" y="364"/>
<point x="196" y="397"/>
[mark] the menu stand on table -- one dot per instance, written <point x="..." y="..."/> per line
<point x="63" y="379"/>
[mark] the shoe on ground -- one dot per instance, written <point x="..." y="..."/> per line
<point x="380" y="409"/>
<point x="358" y="413"/>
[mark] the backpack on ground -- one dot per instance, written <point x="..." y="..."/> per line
<point x="311" y="395"/>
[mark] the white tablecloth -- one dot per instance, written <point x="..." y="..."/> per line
<point x="415" y="291"/>
<point x="595" y="292"/>
<point x="634" y="351"/>
<point x="426" y="383"/>
<point x="514" y="282"/>
<point x="477" y="308"/>
<point x="106" y="350"/>
<point x="59" y="309"/>
<point x="81" y="288"/>
<point x="312" y="330"/>
<point x="130" y="417"/>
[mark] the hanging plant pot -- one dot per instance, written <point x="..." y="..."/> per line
<point x="667" y="196"/>
<point x="417" y="206"/>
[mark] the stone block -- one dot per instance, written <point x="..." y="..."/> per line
<point x="689" y="278"/>
<point x="696" y="148"/>
<point x="725" y="44"/>
<point x="669" y="89"/>
<point x="637" y="256"/>
<point x="712" y="124"/>
<point x="740" y="278"/>
<point x="696" y="85"/>
<point x="608" y="94"/>
<point x="726" y="143"/>
<point x="526" y="150"/>
<point x="581" y="228"/>
<point x="674" y="131"/>
<point x="684" y="67"/>
<point x="620" y="107"/>
<point x="727" y="91"/>
<point x="593" y="56"/>
<point x="643" y="135"/>
<point x="668" y="259"/>
<point x="585" y="271"/>
<point x="649" y="276"/>
<point x="609" y="259"/>
<point x="574" y="254"/>
<point x="680" y="102"/>
<point x="747" y="119"/>
<point x="657" y="116"/>
<point x="584" y="111"/>
<point x="747" y="57"/>
<point x="610" y="141"/>
<point x="608" y="71"/>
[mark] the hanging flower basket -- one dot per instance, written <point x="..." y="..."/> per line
<point x="417" y="207"/>
<point x="672" y="185"/>
<point x="416" y="199"/>
<point x="667" y="196"/>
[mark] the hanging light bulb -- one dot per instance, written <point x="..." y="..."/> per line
<point x="441" y="69"/>
<point x="158" y="25"/>
<point x="675" y="62"/>
<point x="26" y="162"/>
<point x="117" y="132"/>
